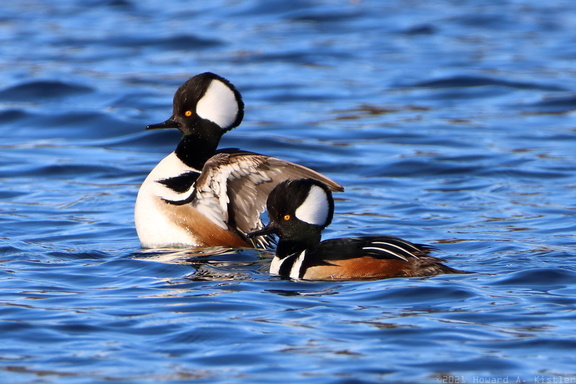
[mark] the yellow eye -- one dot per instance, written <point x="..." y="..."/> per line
<point x="188" y="113"/>
<point x="287" y="217"/>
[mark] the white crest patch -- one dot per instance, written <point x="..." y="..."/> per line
<point x="218" y="104"/>
<point x="314" y="210"/>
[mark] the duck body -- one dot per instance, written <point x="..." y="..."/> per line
<point x="300" y="209"/>
<point x="168" y="215"/>
<point x="358" y="258"/>
<point x="201" y="196"/>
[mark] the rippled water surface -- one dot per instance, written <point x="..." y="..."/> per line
<point x="449" y="123"/>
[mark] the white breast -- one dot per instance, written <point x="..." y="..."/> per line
<point x="152" y="215"/>
<point x="294" y="270"/>
<point x="275" y="266"/>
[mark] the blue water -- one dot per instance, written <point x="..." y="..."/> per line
<point x="451" y="123"/>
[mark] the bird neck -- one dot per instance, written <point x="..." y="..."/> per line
<point x="195" y="149"/>
<point x="290" y="247"/>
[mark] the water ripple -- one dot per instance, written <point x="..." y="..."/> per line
<point x="42" y="89"/>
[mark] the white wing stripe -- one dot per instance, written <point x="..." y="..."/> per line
<point x="385" y="250"/>
<point x="400" y="241"/>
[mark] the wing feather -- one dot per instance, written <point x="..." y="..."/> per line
<point x="234" y="185"/>
<point x="379" y="247"/>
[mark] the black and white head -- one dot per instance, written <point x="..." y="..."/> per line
<point x="206" y="102"/>
<point x="299" y="210"/>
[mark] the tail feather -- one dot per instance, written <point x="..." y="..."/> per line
<point x="428" y="265"/>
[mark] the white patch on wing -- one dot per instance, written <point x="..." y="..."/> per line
<point x="314" y="210"/>
<point x="240" y="182"/>
<point x="212" y="199"/>
<point x="386" y="251"/>
<point x="389" y="251"/>
<point x="218" y="104"/>
<point x="212" y="194"/>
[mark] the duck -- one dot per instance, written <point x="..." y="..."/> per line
<point x="202" y="196"/>
<point x="300" y="209"/>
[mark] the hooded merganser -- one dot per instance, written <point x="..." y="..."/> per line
<point x="198" y="196"/>
<point x="300" y="209"/>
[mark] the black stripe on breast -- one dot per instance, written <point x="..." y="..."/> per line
<point x="182" y="182"/>
<point x="286" y="265"/>
<point x="187" y="200"/>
